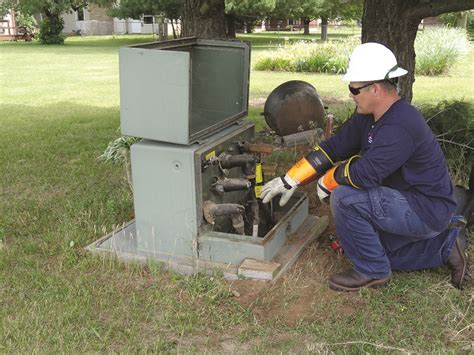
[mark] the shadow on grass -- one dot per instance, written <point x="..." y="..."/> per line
<point x="77" y="45"/>
<point x="260" y="41"/>
<point x="48" y="161"/>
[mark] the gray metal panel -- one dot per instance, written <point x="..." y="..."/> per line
<point x="154" y="94"/>
<point x="164" y="198"/>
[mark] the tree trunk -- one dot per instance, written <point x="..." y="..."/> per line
<point x="174" y="29"/>
<point x="306" y="22"/>
<point x="204" y="19"/>
<point x="14" y="29"/>
<point x="461" y="20"/>
<point x="324" y="28"/>
<point x="390" y="26"/>
<point x="394" y="23"/>
<point x="249" y="26"/>
<point x="230" y="25"/>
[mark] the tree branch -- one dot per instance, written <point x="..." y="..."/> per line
<point x="438" y="7"/>
<point x="466" y="146"/>
<point x="436" y="114"/>
<point x="451" y="132"/>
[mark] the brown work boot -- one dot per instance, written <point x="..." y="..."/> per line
<point x="351" y="280"/>
<point x="459" y="264"/>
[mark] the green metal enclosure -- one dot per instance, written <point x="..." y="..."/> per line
<point x="187" y="99"/>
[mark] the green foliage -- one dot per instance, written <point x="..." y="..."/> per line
<point x="326" y="57"/>
<point x="50" y="30"/>
<point x="438" y="49"/>
<point x="297" y="8"/>
<point x="274" y="64"/>
<point x="454" y="19"/>
<point x="250" y="9"/>
<point x="247" y="13"/>
<point x="53" y="24"/>
<point x="453" y="124"/>
<point x="470" y="25"/>
<point x="117" y="151"/>
<point x="342" y="9"/>
<point x="46" y="7"/>
<point x="311" y="9"/>
<point x="5" y="7"/>
<point x="135" y="8"/>
<point x="449" y="19"/>
<point x="27" y="21"/>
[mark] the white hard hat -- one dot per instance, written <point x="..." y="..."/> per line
<point x="371" y="62"/>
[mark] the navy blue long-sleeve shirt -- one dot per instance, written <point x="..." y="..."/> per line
<point x="401" y="152"/>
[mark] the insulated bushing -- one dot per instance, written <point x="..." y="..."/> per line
<point x="232" y="184"/>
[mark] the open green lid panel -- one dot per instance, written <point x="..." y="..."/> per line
<point x="182" y="91"/>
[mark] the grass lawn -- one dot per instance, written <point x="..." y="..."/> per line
<point x="59" y="108"/>
<point x="272" y="39"/>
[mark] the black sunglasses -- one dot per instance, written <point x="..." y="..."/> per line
<point x="356" y="91"/>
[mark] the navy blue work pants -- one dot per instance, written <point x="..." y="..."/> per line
<point x="380" y="232"/>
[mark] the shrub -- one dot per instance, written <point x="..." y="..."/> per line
<point x="50" y="30"/>
<point x="118" y="152"/>
<point x="302" y="56"/>
<point x="26" y="21"/>
<point x="453" y="124"/>
<point x="274" y="64"/>
<point x="449" y="19"/>
<point x="470" y="25"/>
<point x="438" y="49"/>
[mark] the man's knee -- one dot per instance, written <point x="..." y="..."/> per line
<point x="337" y="196"/>
<point x="345" y="199"/>
<point x="340" y="193"/>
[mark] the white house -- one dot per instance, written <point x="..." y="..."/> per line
<point x="94" y="21"/>
<point x="8" y="27"/>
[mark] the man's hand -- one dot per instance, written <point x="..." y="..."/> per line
<point x="307" y="169"/>
<point x="323" y="192"/>
<point x="326" y="184"/>
<point x="334" y="177"/>
<point x="283" y="185"/>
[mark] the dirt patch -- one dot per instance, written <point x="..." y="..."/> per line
<point x="257" y="101"/>
<point x="248" y="291"/>
<point x="302" y="294"/>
